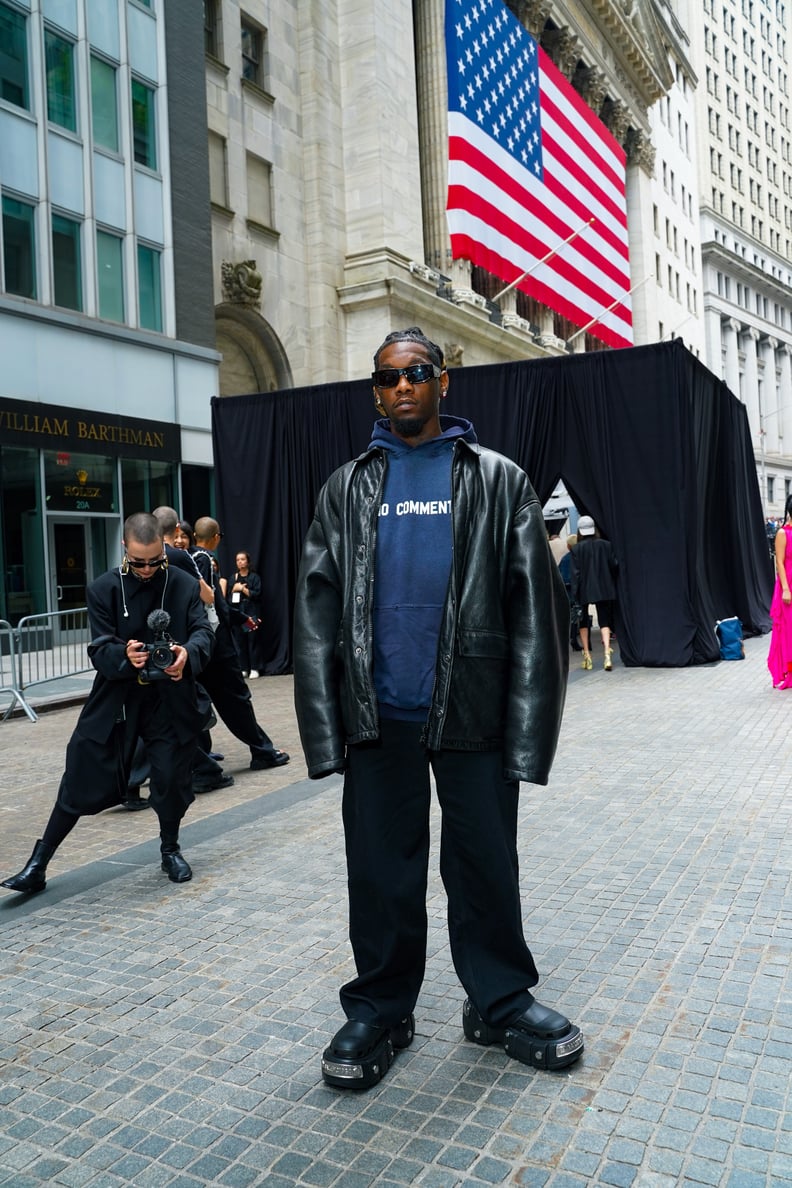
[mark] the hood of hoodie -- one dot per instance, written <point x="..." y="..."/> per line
<point x="383" y="437"/>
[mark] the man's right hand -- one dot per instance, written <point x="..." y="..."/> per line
<point x="136" y="653"/>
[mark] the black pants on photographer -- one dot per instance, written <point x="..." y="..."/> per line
<point x="96" y="773"/>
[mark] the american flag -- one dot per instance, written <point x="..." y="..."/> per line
<point x="528" y="164"/>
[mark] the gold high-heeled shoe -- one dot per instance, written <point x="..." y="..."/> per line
<point x="587" y="663"/>
<point x="608" y="666"/>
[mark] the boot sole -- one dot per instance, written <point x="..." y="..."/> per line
<point x="9" y="884"/>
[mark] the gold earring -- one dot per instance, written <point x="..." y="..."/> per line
<point x="125" y="564"/>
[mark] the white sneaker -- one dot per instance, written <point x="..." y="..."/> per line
<point x="253" y="674"/>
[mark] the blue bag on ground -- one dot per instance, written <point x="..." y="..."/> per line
<point x="730" y="638"/>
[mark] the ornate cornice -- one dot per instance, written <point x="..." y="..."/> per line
<point x="633" y="33"/>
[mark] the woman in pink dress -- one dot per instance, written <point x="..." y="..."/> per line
<point x="779" y="659"/>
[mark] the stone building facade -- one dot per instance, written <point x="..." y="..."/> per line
<point x="329" y="161"/>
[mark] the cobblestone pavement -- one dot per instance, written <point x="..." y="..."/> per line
<point x="154" y="1034"/>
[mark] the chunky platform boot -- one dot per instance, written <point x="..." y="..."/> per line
<point x="359" y="1054"/>
<point x="33" y="876"/>
<point x="539" y="1036"/>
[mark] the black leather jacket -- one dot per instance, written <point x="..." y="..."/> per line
<point x="500" y="679"/>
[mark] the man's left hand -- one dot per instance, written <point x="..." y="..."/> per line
<point x="176" y="669"/>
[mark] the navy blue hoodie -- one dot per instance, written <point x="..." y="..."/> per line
<point x="412" y="565"/>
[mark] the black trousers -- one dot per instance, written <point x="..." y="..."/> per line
<point x="386" y="822"/>
<point x="247" y="648"/>
<point x="96" y="774"/>
<point x="223" y="681"/>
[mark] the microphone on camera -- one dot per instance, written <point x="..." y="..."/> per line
<point x="159" y="621"/>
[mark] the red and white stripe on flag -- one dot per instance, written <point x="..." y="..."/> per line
<point x="528" y="164"/>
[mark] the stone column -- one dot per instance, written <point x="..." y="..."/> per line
<point x="770" y="402"/>
<point x="715" y="345"/>
<point x="431" y="79"/>
<point x="730" y="330"/>
<point x="382" y="161"/>
<point x="784" y="390"/>
<point x="751" y="385"/>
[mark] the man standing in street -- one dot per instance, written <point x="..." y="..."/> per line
<point x="222" y="677"/>
<point x="431" y="632"/>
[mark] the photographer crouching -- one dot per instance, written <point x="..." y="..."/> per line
<point x="149" y="637"/>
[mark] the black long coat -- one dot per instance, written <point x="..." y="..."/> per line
<point x="164" y="713"/>
<point x="118" y="607"/>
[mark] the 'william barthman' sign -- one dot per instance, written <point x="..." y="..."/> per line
<point x="53" y="427"/>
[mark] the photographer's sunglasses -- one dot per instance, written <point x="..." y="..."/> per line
<point x="418" y="373"/>
<point x="155" y="564"/>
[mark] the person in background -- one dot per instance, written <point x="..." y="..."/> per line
<point x="557" y="547"/>
<point x="779" y="658"/>
<point x="222" y="678"/>
<point x="565" y="569"/>
<point x="594" y="572"/>
<point x="183" y="536"/>
<point x="245" y="595"/>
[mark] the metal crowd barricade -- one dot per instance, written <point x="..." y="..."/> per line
<point x="49" y="647"/>
<point x="9" y="671"/>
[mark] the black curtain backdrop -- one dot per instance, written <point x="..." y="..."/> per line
<point x="646" y="440"/>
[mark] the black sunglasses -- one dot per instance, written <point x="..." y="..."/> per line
<point x="155" y="564"/>
<point x="418" y="373"/>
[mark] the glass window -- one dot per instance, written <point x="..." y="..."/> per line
<point x="104" y="104"/>
<point x="146" y="484"/>
<point x="143" y="128"/>
<point x="61" y="107"/>
<point x="210" y="27"/>
<point x="198" y="496"/>
<point x="251" y="53"/>
<point x="13" y="57"/>
<point x="110" y="275"/>
<point x="149" y="288"/>
<point x="19" y="248"/>
<point x="22" y="585"/>
<point x="66" y="266"/>
<point x="259" y="191"/>
<point x="80" y="482"/>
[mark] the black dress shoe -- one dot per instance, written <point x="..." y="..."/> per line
<point x="275" y="759"/>
<point x="223" y="781"/>
<point x="176" y="867"/>
<point x="134" y="802"/>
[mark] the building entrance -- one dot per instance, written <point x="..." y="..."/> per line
<point x="69" y="552"/>
<point x="78" y="550"/>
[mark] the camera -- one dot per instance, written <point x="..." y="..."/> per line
<point x="159" y="652"/>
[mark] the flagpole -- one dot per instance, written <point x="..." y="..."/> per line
<point x="603" y="312"/>
<point x="553" y="252"/>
